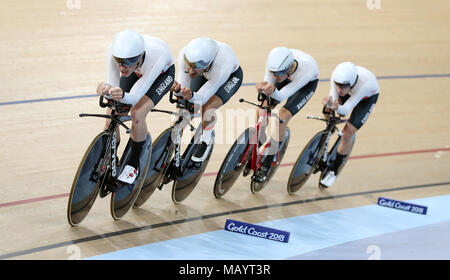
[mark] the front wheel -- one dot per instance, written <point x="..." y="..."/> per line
<point x="86" y="183"/>
<point x="233" y="164"/>
<point x="305" y="164"/>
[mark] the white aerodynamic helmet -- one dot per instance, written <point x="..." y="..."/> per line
<point x="127" y="47"/>
<point x="345" y="74"/>
<point x="280" y="60"/>
<point x="201" y="52"/>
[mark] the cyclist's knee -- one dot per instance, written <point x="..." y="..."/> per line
<point x="349" y="132"/>
<point x="213" y="103"/>
<point x="107" y="123"/>
<point x="137" y="114"/>
<point x="209" y="116"/>
<point x="285" y="115"/>
<point x="262" y="113"/>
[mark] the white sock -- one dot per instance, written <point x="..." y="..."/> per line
<point x="206" y="135"/>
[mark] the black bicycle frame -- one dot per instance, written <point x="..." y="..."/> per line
<point x="322" y="153"/>
<point x="180" y="165"/>
<point x="108" y="161"/>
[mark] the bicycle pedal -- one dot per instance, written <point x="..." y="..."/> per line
<point x="104" y="191"/>
<point x="246" y="172"/>
<point x="247" y="168"/>
<point x="196" y="165"/>
<point x="119" y="185"/>
<point x="258" y="180"/>
<point x="168" y="177"/>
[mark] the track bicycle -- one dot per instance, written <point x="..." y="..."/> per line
<point x="245" y="156"/>
<point x="100" y="166"/>
<point x="167" y="164"/>
<point x="315" y="156"/>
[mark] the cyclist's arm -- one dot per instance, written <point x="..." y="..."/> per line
<point x="306" y="72"/>
<point x="351" y="103"/>
<point x="145" y="82"/>
<point x="333" y="92"/>
<point x="182" y="76"/>
<point x="267" y="85"/>
<point x="268" y="77"/>
<point x="291" y="88"/>
<point x="112" y="72"/>
<point x="219" y="77"/>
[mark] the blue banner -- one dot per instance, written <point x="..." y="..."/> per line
<point x="257" y="231"/>
<point x="400" y="205"/>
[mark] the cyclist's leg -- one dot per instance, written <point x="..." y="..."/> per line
<point x="357" y="119"/>
<point x="139" y="126"/>
<point x="224" y="93"/>
<point x="346" y="144"/>
<point x="270" y="153"/>
<point x="359" y="116"/>
<point x="209" y="117"/>
<point x="139" y="114"/>
<point x="343" y="151"/>
<point x="345" y="147"/>
<point x="279" y="130"/>
<point x="126" y="83"/>
<point x="293" y="105"/>
<point x="263" y="123"/>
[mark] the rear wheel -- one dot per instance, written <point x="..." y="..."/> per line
<point x="123" y="198"/>
<point x="185" y="183"/>
<point x="161" y="154"/>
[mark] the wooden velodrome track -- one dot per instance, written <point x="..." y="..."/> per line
<point x="56" y="49"/>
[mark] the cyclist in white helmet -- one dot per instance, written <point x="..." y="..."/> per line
<point x="140" y="71"/>
<point x="352" y="89"/>
<point x="209" y="74"/>
<point x="291" y="75"/>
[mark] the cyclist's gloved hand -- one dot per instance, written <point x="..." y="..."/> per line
<point x="116" y="93"/>
<point x="330" y="104"/>
<point x="334" y="105"/>
<point x="265" y="87"/>
<point x="187" y="93"/>
<point x="103" y="88"/>
<point x="176" y="87"/>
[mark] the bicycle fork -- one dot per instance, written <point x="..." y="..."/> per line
<point x="113" y="154"/>
<point x="325" y="155"/>
<point x="107" y="162"/>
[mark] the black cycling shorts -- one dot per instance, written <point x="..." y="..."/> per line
<point x="225" y="91"/>
<point x="297" y="100"/>
<point x="158" y="89"/>
<point x="361" y="112"/>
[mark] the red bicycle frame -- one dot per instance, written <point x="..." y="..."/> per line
<point x="254" y="146"/>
